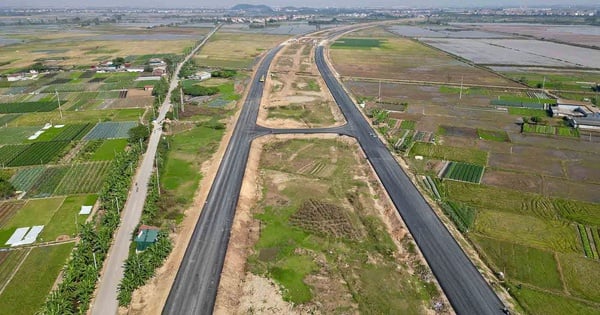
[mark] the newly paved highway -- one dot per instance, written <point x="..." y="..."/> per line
<point x="464" y="286"/>
<point x="195" y="287"/>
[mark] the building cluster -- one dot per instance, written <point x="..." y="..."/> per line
<point x="31" y="75"/>
<point x="579" y="114"/>
<point x="158" y="66"/>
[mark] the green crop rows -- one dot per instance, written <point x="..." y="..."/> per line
<point x="462" y="215"/>
<point x="28" y="107"/>
<point x="407" y="124"/>
<point x="589" y="250"/>
<point x="83" y="178"/>
<point x="73" y="132"/>
<point x="50" y="180"/>
<point x="464" y="172"/>
<point x="10" y="152"/>
<point x="27" y="177"/>
<point x="39" y="153"/>
<point x="543" y="129"/>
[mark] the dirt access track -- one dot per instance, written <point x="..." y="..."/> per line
<point x="295" y="95"/>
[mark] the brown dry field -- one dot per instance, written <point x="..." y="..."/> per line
<point x="405" y="59"/>
<point x="235" y="50"/>
<point x="23" y="55"/>
<point x="132" y="102"/>
<point x="422" y="94"/>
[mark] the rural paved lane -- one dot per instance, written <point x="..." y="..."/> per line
<point x="105" y="301"/>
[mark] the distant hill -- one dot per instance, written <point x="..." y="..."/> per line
<point x="259" y="8"/>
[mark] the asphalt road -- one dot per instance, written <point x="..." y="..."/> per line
<point x="105" y="301"/>
<point x="464" y="286"/>
<point x="195" y="288"/>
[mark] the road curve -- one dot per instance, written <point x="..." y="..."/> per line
<point x="464" y="286"/>
<point x="195" y="287"/>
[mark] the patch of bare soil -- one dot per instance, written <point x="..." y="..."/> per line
<point x="294" y="80"/>
<point x="243" y="292"/>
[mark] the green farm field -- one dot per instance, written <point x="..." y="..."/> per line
<point x="444" y="152"/>
<point x="36" y="276"/>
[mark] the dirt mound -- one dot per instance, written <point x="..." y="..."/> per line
<point x="325" y="218"/>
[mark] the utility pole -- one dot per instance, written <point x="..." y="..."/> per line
<point x="544" y="84"/>
<point x="461" y="87"/>
<point x="157" y="177"/>
<point x="379" y="97"/>
<point x="181" y="99"/>
<point x="59" y="108"/>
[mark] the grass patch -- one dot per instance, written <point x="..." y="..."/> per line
<point x="493" y="135"/>
<point x="538" y="302"/>
<point x="408" y="124"/>
<point x="35" y="212"/>
<point x="109" y="149"/>
<point x="522" y="263"/>
<point x="66" y="219"/>
<point x="358" y="43"/>
<point x="528" y="112"/>
<point x="581" y="276"/>
<point x="35" y="277"/>
<point x="317" y="114"/>
<point x="16" y="135"/>
<point x="528" y="230"/>
<point x="181" y="173"/>
<point x="443" y="152"/>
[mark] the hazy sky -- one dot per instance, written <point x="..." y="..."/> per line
<point x="280" y="3"/>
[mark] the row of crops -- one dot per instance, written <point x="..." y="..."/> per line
<point x="551" y="130"/>
<point x="110" y="130"/>
<point x="44" y="181"/>
<point x="73" y="132"/>
<point x="590" y="239"/>
<point x="463" y="172"/>
<point x="28" y="107"/>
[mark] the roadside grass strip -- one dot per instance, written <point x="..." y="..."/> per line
<point x="464" y="172"/>
<point x="110" y="130"/>
<point x="462" y="215"/>
<point x="25" y="236"/>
